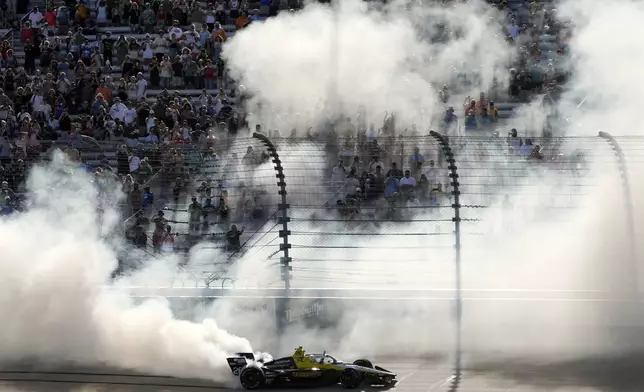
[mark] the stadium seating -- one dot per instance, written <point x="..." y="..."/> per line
<point x="175" y="186"/>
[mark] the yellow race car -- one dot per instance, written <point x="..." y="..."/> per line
<point x="307" y="370"/>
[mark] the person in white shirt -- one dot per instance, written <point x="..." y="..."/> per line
<point x="37" y="102"/>
<point x="141" y="87"/>
<point x="46" y="110"/>
<point x="224" y="183"/>
<point x="64" y="85"/>
<point x="35" y="17"/>
<point x="191" y="35"/>
<point x="22" y="116"/>
<point x="351" y="185"/>
<point x="151" y="138"/>
<point x="150" y="122"/>
<point x="118" y="109"/>
<point x="372" y="133"/>
<point x="176" y="31"/>
<point x="203" y="98"/>
<point x="129" y="116"/>
<point x="33" y="139"/>
<point x="110" y="125"/>
<point x="159" y="43"/>
<point x="407" y="181"/>
<point x="513" y="30"/>
<point x="54" y="124"/>
<point x="186" y="132"/>
<point x="135" y="163"/>
<point x="218" y="106"/>
<point x="412" y="201"/>
<point x="210" y="17"/>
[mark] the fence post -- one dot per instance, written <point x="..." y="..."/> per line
<point x="628" y="201"/>
<point x="285" y="261"/>
<point x="443" y="141"/>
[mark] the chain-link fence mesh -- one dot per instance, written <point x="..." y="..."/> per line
<point x="372" y="212"/>
<point x="349" y="231"/>
<point x="218" y="199"/>
<point x="361" y="220"/>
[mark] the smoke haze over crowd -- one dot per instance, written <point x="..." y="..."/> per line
<point x="302" y="68"/>
<point x="55" y="262"/>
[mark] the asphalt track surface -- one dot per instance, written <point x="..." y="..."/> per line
<point x="619" y="374"/>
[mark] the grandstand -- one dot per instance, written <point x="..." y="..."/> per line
<point x="535" y="20"/>
<point x="196" y="143"/>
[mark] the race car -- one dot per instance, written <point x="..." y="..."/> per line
<point x="307" y="370"/>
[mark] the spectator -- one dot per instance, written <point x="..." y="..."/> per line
<point x="407" y="182"/>
<point x="195" y="212"/>
<point x="416" y="160"/>
<point x="136" y="198"/>
<point x="35" y="18"/>
<point x="233" y="237"/>
<point x="444" y="94"/>
<point x="134" y="163"/>
<point x="148" y="197"/>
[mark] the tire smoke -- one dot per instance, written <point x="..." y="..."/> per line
<point x="54" y="308"/>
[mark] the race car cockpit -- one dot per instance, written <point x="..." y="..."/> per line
<point x="323" y="358"/>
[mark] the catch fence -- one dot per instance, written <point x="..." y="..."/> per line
<point x="345" y="231"/>
<point x="341" y="234"/>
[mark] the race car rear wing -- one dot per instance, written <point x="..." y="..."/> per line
<point x="239" y="361"/>
<point x="249" y="356"/>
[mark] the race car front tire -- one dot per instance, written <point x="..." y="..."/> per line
<point x="252" y="378"/>
<point x="364" y="363"/>
<point x="351" y="378"/>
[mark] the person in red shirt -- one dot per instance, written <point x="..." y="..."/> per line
<point x="469" y="105"/>
<point x="5" y="46"/>
<point x="481" y="104"/>
<point x="50" y="17"/>
<point x="26" y="33"/>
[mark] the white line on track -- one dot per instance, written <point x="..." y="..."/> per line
<point x="383" y="289"/>
<point x="401" y="379"/>
<point x="516" y="299"/>
<point x="440" y="383"/>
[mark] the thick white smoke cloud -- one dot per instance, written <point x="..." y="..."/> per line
<point x="607" y="54"/>
<point x="303" y="67"/>
<point x="53" y="261"/>
<point x="53" y="266"/>
<point x="289" y="64"/>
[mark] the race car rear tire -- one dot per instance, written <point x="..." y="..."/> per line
<point x="252" y="378"/>
<point x="364" y="363"/>
<point x="351" y="378"/>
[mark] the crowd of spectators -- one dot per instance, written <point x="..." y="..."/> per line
<point x="388" y="177"/>
<point x="541" y="65"/>
<point x="216" y="208"/>
<point x="147" y="77"/>
<point x="144" y="80"/>
<point x="70" y="79"/>
<point x="542" y="44"/>
<point x="378" y="170"/>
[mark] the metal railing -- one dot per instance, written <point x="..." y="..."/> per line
<point x="25" y="18"/>
<point x="9" y="36"/>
